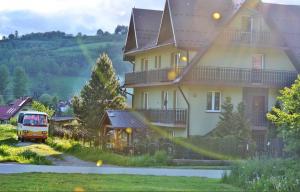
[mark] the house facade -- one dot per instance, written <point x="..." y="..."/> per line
<point x="193" y="54"/>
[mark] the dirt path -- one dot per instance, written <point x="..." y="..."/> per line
<point x="68" y="160"/>
<point x="57" y="158"/>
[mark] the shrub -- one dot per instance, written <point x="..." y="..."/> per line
<point x="13" y="121"/>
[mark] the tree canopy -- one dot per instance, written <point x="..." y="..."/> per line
<point x="233" y="123"/>
<point x="286" y="117"/>
<point x="20" y="82"/>
<point x="101" y="93"/>
<point x="4" y="78"/>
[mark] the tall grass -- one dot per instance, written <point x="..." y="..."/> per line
<point x="266" y="175"/>
<point x="77" y="149"/>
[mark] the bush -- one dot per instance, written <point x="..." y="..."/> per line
<point x="266" y="175"/>
<point x="13" y="121"/>
<point x="228" y="147"/>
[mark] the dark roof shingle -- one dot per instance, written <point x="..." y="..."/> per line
<point x="125" y="119"/>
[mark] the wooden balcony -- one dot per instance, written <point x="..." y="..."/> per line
<point x="262" y="38"/>
<point x="169" y="117"/>
<point x="219" y="75"/>
<point x="152" y="76"/>
<point x="243" y="77"/>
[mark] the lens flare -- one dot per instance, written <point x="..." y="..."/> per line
<point x="79" y="189"/>
<point x="172" y="75"/>
<point x="99" y="163"/>
<point x="216" y="16"/>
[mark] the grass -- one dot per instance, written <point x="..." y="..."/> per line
<point x="31" y="154"/>
<point x="77" y="182"/>
<point x="95" y="155"/>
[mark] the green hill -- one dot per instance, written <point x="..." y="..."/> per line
<point x="59" y="64"/>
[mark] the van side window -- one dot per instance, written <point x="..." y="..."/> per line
<point x="21" y="117"/>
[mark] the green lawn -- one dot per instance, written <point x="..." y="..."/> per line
<point x="32" y="154"/>
<point x="77" y="182"/>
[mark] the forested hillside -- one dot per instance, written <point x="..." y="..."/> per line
<point x="56" y="63"/>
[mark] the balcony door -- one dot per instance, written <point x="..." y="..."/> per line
<point x="258" y="110"/>
<point x="256" y="104"/>
<point x="145" y="100"/>
<point x="258" y="62"/>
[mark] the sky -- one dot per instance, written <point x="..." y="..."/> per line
<point x="73" y="16"/>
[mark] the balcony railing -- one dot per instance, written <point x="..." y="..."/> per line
<point x="171" y="117"/>
<point x="241" y="76"/>
<point x="256" y="38"/>
<point x="152" y="76"/>
<point x="220" y="75"/>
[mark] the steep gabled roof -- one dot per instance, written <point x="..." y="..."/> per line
<point x="285" y="20"/>
<point x="144" y="28"/>
<point x="192" y="20"/>
<point x="7" y="112"/>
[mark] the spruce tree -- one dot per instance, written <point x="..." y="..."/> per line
<point x="20" y="82"/>
<point x="241" y="128"/>
<point x="226" y="123"/>
<point x="101" y="93"/>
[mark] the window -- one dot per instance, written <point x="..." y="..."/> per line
<point x="175" y="59"/>
<point x="144" y="64"/>
<point x="213" y="101"/>
<point x="145" y="100"/>
<point x="258" y="61"/>
<point x="164" y="100"/>
<point x="247" y="24"/>
<point x="157" y="62"/>
<point x="175" y="99"/>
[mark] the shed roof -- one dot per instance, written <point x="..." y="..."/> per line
<point x="125" y="119"/>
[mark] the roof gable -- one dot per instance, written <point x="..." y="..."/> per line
<point x="131" y="41"/>
<point x="193" y="23"/>
<point x="143" y="29"/>
<point x="284" y="19"/>
<point x="166" y="30"/>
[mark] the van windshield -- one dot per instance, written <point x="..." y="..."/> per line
<point x="35" y="120"/>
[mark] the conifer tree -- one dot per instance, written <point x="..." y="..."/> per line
<point x="101" y="93"/>
<point x="4" y="79"/>
<point x="241" y="128"/>
<point x="226" y="122"/>
<point x="20" y="82"/>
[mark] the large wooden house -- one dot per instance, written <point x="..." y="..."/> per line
<point x="193" y="54"/>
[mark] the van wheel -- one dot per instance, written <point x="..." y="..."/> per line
<point x="22" y="139"/>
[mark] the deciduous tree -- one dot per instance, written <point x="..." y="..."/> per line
<point x="287" y="117"/>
